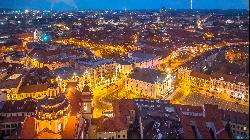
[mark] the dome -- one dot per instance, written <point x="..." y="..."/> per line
<point x="52" y="108"/>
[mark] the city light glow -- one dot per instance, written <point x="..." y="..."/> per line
<point x="124" y="70"/>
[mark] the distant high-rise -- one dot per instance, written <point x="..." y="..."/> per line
<point x="191" y="4"/>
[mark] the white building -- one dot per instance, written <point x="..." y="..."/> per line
<point x="149" y="82"/>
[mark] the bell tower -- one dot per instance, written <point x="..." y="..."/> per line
<point x="87" y="102"/>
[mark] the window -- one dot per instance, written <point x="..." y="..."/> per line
<point x="59" y="127"/>
<point x="7" y="126"/>
<point x="85" y="107"/>
<point x="118" y="136"/>
<point x="124" y="136"/>
<point x="194" y="131"/>
<point x="12" y="125"/>
<point x="212" y="133"/>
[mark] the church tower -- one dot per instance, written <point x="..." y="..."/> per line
<point x="87" y="102"/>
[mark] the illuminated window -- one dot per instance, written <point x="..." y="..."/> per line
<point x="59" y="127"/>
<point x="85" y="107"/>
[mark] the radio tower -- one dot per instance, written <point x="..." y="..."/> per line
<point x="191" y="4"/>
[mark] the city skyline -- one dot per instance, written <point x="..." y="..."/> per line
<point x="123" y="4"/>
<point x="124" y="69"/>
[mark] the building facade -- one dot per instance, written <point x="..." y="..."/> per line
<point x="217" y="83"/>
<point x="34" y="91"/>
<point x="149" y="83"/>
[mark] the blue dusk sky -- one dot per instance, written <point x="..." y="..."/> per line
<point x="123" y="4"/>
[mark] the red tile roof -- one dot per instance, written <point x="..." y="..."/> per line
<point x="189" y="108"/>
<point x="28" y="128"/>
<point x="212" y="114"/>
<point x="121" y="108"/>
<point x="112" y="125"/>
<point x="235" y="117"/>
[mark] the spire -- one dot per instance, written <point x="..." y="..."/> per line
<point x="86" y="87"/>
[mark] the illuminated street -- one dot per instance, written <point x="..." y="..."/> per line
<point x="130" y="69"/>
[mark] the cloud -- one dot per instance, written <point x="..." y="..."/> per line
<point x="67" y="2"/>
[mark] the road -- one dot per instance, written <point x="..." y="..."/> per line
<point x="100" y="94"/>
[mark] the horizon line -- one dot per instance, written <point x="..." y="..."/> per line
<point x="119" y="9"/>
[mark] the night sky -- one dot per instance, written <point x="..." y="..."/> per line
<point x="123" y="4"/>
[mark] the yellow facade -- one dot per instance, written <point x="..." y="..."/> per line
<point x="55" y="125"/>
<point x="35" y="95"/>
<point x="214" y="85"/>
<point x="150" y="90"/>
<point x="36" y="64"/>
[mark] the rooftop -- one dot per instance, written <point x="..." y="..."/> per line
<point x="200" y="117"/>
<point x="13" y="81"/>
<point x="111" y="125"/>
<point x="55" y="104"/>
<point x="148" y="75"/>
<point x="92" y="63"/>
<point x="33" y="88"/>
<point x="28" y="128"/>
<point x="235" y="117"/>
<point x="14" y="106"/>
